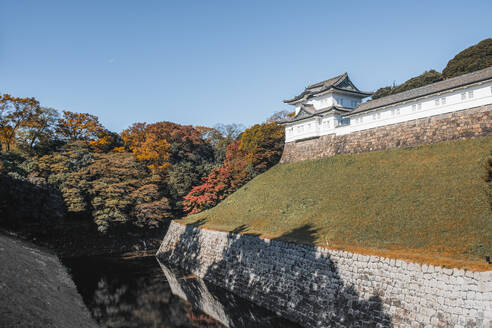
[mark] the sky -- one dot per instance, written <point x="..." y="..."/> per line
<point x="209" y="62"/>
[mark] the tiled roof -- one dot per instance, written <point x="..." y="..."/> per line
<point x="317" y="88"/>
<point x="455" y="82"/>
<point x="308" y="112"/>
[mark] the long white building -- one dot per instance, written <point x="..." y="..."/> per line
<point x="335" y="106"/>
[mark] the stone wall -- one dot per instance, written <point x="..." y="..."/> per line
<point x="474" y="122"/>
<point x="317" y="287"/>
<point x="230" y="310"/>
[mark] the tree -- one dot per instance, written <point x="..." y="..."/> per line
<point x="259" y="148"/>
<point x="122" y="193"/>
<point x="280" y="116"/>
<point x="112" y="189"/>
<point x="15" y="113"/>
<point x="176" y="152"/>
<point x="39" y="134"/>
<point x="471" y="59"/>
<point x="263" y="145"/>
<point x="86" y="127"/>
<point x="428" y="77"/>
<point x="79" y="126"/>
<point x="382" y="92"/>
<point x="220" y="183"/>
<point x="219" y="137"/>
<point x="148" y="144"/>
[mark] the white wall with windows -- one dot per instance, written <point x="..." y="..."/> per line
<point x="332" y="99"/>
<point x="445" y="102"/>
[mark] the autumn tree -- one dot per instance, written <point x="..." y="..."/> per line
<point x="83" y="126"/>
<point x="279" y="116"/>
<point x="149" y="145"/>
<point x="263" y="145"/>
<point x="219" y="137"/>
<point x="112" y="189"/>
<point x="176" y="152"/>
<point x="259" y="148"/>
<point x="79" y="126"/>
<point x="220" y="183"/>
<point x="15" y="113"/>
<point x="40" y="134"/>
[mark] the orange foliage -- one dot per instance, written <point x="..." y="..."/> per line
<point x="14" y="114"/>
<point x="151" y="143"/>
<point x="79" y="126"/>
<point x="263" y="144"/>
<point x="147" y="145"/>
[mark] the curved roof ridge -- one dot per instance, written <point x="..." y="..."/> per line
<point x="323" y="86"/>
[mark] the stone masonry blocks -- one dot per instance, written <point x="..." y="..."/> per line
<point x="468" y="123"/>
<point x="318" y="287"/>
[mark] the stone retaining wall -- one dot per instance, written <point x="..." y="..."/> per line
<point x="317" y="287"/>
<point x="474" y="122"/>
<point x="229" y="309"/>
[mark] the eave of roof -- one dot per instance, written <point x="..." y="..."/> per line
<point x="335" y="109"/>
<point x="438" y="87"/>
<point x="322" y="86"/>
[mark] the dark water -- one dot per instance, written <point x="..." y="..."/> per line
<point x="143" y="293"/>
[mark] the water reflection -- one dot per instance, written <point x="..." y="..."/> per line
<point x="140" y="293"/>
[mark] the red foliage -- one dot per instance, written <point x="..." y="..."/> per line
<point x="258" y="149"/>
<point x="220" y="183"/>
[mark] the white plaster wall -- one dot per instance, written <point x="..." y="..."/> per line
<point x="305" y="129"/>
<point x="333" y="99"/>
<point x="322" y="102"/>
<point x="411" y="110"/>
<point x="424" y="107"/>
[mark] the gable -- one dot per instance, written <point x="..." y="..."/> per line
<point x="347" y="84"/>
<point x="303" y="114"/>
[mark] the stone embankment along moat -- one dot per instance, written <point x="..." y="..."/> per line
<point x="36" y="290"/>
<point x="317" y="287"/>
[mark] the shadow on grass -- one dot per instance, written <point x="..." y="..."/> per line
<point x="304" y="234"/>
<point x="292" y="279"/>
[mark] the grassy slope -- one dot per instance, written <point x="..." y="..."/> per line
<point x="427" y="203"/>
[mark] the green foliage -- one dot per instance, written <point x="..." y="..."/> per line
<point x="11" y="162"/>
<point x="428" y="77"/>
<point x="382" y="92"/>
<point x="122" y="192"/>
<point x="39" y="137"/>
<point x="113" y="188"/>
<point x="471" y="59"/>
<point x="429" y="199"/>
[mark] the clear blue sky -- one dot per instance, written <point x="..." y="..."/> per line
<point x="208" y="62"/>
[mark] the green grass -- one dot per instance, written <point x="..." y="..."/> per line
<point x="429" y="200"/>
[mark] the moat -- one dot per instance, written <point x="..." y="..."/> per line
<point x="142" y="292"/>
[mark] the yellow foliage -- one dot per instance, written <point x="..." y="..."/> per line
<point x="147" y="146"/>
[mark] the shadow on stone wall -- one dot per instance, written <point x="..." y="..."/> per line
<point x="295" y="280"/>
<point x="231" y="310"/>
